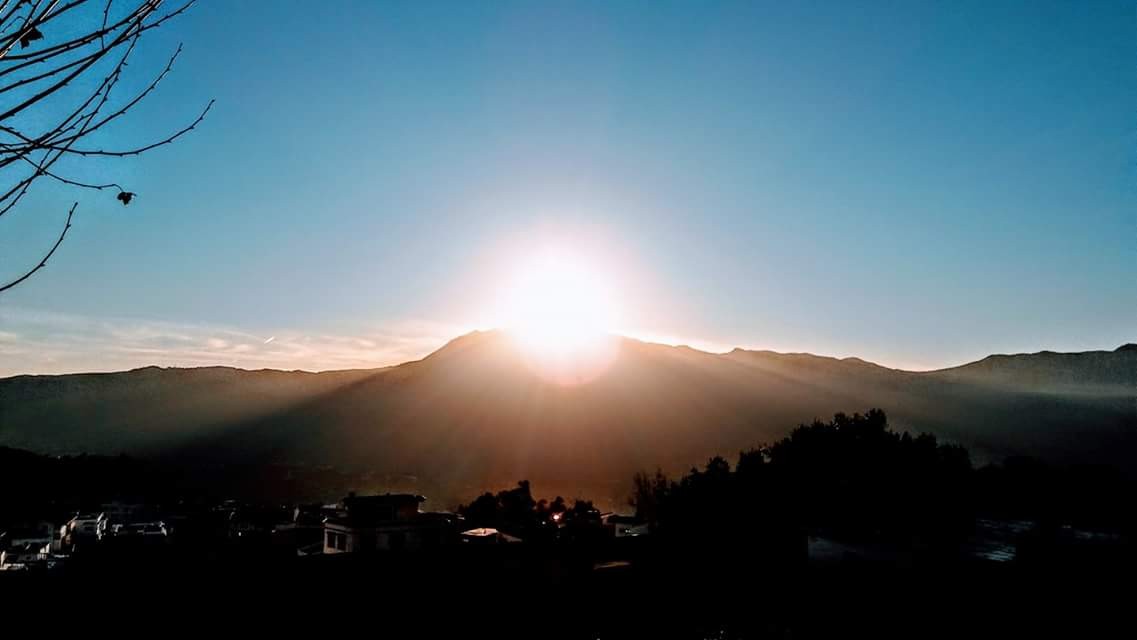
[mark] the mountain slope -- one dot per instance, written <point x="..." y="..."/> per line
<point x="1094" y="371"/>
<point x="472" y="414"/>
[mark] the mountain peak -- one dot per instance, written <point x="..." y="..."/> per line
<point x="465" y="341"/>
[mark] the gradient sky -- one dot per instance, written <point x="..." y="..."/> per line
<point x="918" y="184"/>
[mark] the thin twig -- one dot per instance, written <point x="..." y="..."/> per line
<point x="75" y="183"/>
<point x="43" y="262"/>
<point x="139" y="150"/>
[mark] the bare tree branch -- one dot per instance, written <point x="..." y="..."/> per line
<point x="51" y="252"/>
<point x="75" y="183"/>
<point x="43" y="55"/>
<point x="143" y="149"/>
<point x="67" y="79"/>
<point x="139" y="98"/>
<point x="37" y="128"/>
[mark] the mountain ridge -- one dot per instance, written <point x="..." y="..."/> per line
<point x="1127" y="347"/>
<point x="473" y="414"/>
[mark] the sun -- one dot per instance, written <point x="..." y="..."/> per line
<point x="557" y="303"/>
<point x="561" y="312"/>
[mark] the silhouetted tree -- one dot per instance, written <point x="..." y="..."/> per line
<point x="856" y="475"/>
<point x="59" y="63"/>
<point x="649" y="492"/>
<point x="513" y="509"/>
<point x="483" y="511"/>
<point x="516" y="512"/>
<point x="851" y="475"/>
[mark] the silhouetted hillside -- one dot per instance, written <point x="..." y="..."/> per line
<point x="146" y="410"/>
<point x="1093" y="371"/>
<point x="472" y="415"/>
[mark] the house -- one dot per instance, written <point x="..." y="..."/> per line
<point x="621" y="526"/>
<point x="305" y="532"/>
<point x="389" y="522"/>
<point x="140" y="532"/>
<point x="84" y="529"/>
<point x="251" y="522"/>
<point x="124" y="512"/>
<point x="487" y="535"/>
<point x="38" y="533"/>
<point x="25" y="554"/>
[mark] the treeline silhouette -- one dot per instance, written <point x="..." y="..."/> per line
<point x="851" y="476"/>
<point x="517" y="512"/>
<point x="1086" y="496"/>
<point x="855" y="478"/>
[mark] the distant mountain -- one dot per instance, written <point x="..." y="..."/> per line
<point x="472" y="414"/>
<point x="1049" y="371"/>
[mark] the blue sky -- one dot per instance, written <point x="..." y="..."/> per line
<point x="918" y="184"/>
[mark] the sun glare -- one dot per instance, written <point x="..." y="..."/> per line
<point x="561" y="313"/>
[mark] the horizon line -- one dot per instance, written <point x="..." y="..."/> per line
<point x="621" y="336"/>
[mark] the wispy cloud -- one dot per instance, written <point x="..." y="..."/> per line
<point x="44" y="342"/>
